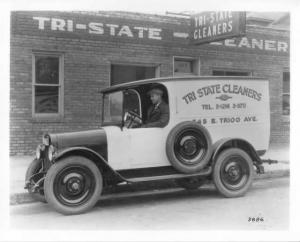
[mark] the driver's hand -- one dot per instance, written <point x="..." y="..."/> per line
<point x="126" y="124"/>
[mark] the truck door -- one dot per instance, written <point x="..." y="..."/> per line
<point x="135" y="147"/>
<point x="146" y="145"/>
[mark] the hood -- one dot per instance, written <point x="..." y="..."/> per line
<point x="92" y="139"/>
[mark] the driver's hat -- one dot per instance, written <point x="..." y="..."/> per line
<point x="156" y="91"/>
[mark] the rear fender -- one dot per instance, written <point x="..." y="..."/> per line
<point x="111" y="176"/>
<point x="222" y="144"/>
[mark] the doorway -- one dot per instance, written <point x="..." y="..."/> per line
<point x="127" y="73"/>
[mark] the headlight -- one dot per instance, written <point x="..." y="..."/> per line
<point x="45" y="152"/>
<point x="38" y="152"/>
<point x="51" y="152"/>
<point x="46" y="139"/>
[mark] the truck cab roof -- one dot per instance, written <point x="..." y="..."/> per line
<point x="174" y="79"/>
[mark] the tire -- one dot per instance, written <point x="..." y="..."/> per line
<point x="73" y="185"/>
<point x="190" y="184"/>
<point x="34" y="167"/>
<point x="233" y="172"/>
<point x="189" y="147"/>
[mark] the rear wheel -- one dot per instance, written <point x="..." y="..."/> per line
<point x="233" y="172"/>
<point x="34" y="168"/>
<point x="73" y="185"/>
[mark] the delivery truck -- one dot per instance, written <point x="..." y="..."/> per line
<point x="215" y="131"/>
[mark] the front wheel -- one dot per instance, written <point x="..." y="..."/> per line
<point x="73" y="185"/>
<point x="233" y="172"/>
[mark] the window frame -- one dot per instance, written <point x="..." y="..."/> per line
<point x="103" y="123"/>
<point x="115" y="123"/>
<point x="157" y="67"/>
<point x="195" y="65"/>
<point x="60" y="84"/>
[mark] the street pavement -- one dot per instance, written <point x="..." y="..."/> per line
<point x="172" y="209"/>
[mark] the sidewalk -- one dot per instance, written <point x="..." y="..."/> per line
<point x="19" y="164"/>
<point x="280" y="153"/>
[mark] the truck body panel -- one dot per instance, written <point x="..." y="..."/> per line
<point x="227" y="107"/>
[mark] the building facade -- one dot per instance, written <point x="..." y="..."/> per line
<point x="60" y="60"/>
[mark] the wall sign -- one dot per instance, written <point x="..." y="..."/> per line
<point x="255" y="44"/>
<point x="213" y="26"/>
<point x="79" y="26"/>
<point x="98" y="28"/>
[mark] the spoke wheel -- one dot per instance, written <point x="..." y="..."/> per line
<point x="233" y="172"/>
<point x="73" y="185"/>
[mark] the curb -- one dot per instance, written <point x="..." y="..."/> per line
<point x="24" y="197"/>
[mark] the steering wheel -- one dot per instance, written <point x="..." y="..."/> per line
<point x="133" y="118"/>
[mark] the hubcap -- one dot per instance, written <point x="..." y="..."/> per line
<point x="234" y="172"/>
<point x="75" y="186"/>
<point x="190" y="146"/>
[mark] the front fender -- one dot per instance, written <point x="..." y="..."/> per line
<point x="101" y="163"/>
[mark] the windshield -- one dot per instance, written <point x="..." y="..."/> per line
<point x="112" y="108"/>
<point x="115" y="102"/>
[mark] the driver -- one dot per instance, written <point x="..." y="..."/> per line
<point x="158" y="113"/>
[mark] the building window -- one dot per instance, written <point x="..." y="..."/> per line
<point x="47" y="84"/>
<point x="185" y="66"/>
<point x="121" y="73"/>
<point x="230" y="73"/>
<point x="286" y="93"/>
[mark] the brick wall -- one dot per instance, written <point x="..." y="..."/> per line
<point x="87" y="63"/>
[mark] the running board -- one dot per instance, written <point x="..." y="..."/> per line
<point x="206" y="172"/>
